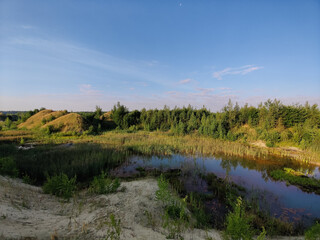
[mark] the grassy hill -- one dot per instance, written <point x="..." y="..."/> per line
<point x="71" y="122"/>
<point x="58" y="121"/>
<point x="36" y="120"/>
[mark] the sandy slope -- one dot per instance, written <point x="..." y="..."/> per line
<point x="27" y="213"/>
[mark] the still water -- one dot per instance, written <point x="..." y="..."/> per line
<point x="285" y="202"/>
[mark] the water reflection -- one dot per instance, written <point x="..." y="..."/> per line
<point x="285" y="202"/>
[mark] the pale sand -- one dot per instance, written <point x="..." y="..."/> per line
<point x="27" y="213"/>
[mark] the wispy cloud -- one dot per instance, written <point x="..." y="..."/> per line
<point x="73" y="53"/>
<point x="185" y="81"/>
<point x="87" y="89"/>
<point x="235" y="71"/>
<point x="203" y="92"/>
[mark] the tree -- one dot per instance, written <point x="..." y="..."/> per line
<point x="118" y="113"/>
<point x="98" y="113"/>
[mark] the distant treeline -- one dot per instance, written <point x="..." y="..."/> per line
<point x="271" y="121"/>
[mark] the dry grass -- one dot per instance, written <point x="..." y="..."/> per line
<point x="71" y="122"/>
<point x="36" y="120"/>
<point x="15" y="135"/>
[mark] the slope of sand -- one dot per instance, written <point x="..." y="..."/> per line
<point x="27" y="213"/>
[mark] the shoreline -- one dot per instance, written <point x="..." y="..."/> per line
<point x="165" y="143"/>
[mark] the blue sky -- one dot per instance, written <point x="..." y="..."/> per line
<point x="75" y="55"/>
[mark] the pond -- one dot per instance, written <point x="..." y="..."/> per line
<point x="288" y="203"/>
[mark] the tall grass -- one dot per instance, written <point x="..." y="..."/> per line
<point x="83" y="160"/>
<point x="165" y="143"/>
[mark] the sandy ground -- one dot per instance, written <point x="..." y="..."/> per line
<point x="27" y="213"/>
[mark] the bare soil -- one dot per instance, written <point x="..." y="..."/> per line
<point x="27" y="213"/>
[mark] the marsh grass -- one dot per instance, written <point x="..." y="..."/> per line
<point x="307" y="184"/>
<point x="166" y="143"/>
<point x="83" y="160"/>
<point x="8" y="167"/>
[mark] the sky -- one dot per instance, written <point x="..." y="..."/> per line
<point x="79" y="54"/>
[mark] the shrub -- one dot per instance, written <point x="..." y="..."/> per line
<point x="313" y="233"/>
<point x="238" y="226"/>
<point x="49" y="129"/>
<point x="102" y="184"/>
<point x="60" y="185"/>
<point x="8" y="167"/>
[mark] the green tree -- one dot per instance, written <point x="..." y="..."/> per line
<point x="118" y="113"/>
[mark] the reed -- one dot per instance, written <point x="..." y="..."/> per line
<point x="83" y="160"/>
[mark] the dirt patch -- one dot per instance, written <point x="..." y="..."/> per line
<point x="259" y="143"/>
<point x="27" y="213"/>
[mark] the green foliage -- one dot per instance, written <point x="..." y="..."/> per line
<point x="118" y="113"/>
<point x="60" y="185"/>
<point x="103" y="185"/>
<point x="195" y="201"/>
<point x="272" y="121"/>
<point x="262" y="235"/>
<point x="8" y="123"/>
<point x="308" y="184"/>
<point x="163" y="194"/>
<point x="49" y="130"/>
<point x="175" y="216"/>
<point x="313" y="233"/>
<point x="114" y="228"/>
<point x="8" y="167"/>
<point x="238" y="226"/>
<point x="26" y="179"/>
<point x="83" y="160"/>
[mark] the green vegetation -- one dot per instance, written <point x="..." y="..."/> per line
<point x="114" y="228"/>
<point x="307" y="184"/>
<point x="95" y="150"/>
<point x="238" y="224"/>
<point x="313" y="233"/>
<point x="60" y="185"/>
<point x="271" y="123"/>
<point x="8" y="167"/>
<point x="175" y="217"/>
<point x="103" y="185"/>
<point x="83" y="160"/>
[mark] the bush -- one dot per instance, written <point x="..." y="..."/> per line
<point x="238" y="226"/>
<point x="60" y="185"/>
<point x="8" y="167"/>
<point x="102" y="184"/>
<point x="313" y="233"/>
<point x="49" y="129"/>
<point x="270" y="143"/>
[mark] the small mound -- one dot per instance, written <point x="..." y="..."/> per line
<point x="71" y="122"/>
<point x="42" y="118"/>
<point x="35" y="120"/>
